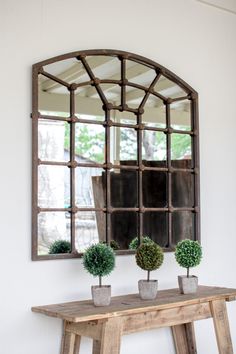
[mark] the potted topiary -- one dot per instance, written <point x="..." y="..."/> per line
<point x="149" y="256"/>
<point x="188" y="254"/>
<point x="59" y="246"/>
<point x="134" y="243"/>
<point x="99" y="260"/>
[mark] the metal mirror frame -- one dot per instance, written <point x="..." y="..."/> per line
<point x="191" y="95"/>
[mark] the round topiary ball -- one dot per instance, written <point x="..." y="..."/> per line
<point x="60" y="246"/>
<point x="149" y="256"/>
<point x="99" y="259"/>
<point x="188" y="253"/>
<point x="134" y="243"/>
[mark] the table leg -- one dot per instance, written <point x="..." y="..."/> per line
<point x="70" y="343"/>
<point x="111" y="336"/>
<point x="96" y="346"/>
<point x="184" y="338"/>
<point x="221" y="324"/>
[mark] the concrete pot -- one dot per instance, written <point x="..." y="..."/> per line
<point x="148" y="289"/>
<point x="188" y="285"/>
<point x="101" y="295"/>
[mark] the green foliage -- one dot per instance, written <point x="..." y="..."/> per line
<point x="134" y="243"/>
<point x="188" y="253"/>
<point x="149" y="256"/>
<point x="113" y="244"/>
<point x="99" y="259"/>
<point x="60" y="246"/>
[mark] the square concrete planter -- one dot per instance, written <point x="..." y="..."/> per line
<point x="188" y="285"/>
<point x="148" y="289"/>
<point x="101" y="295"/>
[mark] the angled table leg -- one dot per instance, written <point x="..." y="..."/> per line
<point x="111" y="336"/>
<point x="96" y="346"/>
<point x="221" y="324"/>
<point x="70" y="343"/>
<point x="184" y="338"/>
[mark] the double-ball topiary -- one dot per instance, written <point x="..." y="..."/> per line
<point x="188" y="254"/>
<point x="149" y="256"/>
<point x="99" y="260"/>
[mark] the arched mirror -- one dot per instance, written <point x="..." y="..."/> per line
<point x="115" y="153"/>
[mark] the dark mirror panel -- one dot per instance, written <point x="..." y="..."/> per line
<point x="155" y="226"/>
<point x="115" y="153"/>
<point x="124" y="227"/>
<point x="182" y="226"/>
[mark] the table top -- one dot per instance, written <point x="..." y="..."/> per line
<point x="82" y="311"/>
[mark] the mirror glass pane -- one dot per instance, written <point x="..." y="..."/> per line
<point x="181" y="150"/>
<point x="168" y="88"/>
<point x="89" y="229"/>
<point x="155" y="226"/>
<point x="139" y="73"/>
<point x="154" y="113"/>
<point x="52" y="226"/>
<point x="182" y="226"/>
<point x="124" y="227"/>
<point x="124" y="189"/>
<point x="90" y="143"/>
<point x="154" y="189"/>
<point x="180" y="115"/>
<point x="53" y="140"/>
<point x="53" y="186"/>
<point x="90" y="187"/>
<point x="154" y="146"/>
<point x="88" y="104"/>
<point x="123" y="117"/>
<point x="53" y="100"/>
<point x="123" y="148"/>
<point x="182" y="189"/>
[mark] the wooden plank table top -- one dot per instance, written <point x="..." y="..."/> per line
<point x="83" y="311"/>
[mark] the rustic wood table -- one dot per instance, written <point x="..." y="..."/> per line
<point x="129" y="314"/>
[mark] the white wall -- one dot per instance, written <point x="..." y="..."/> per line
<point x="195" y="41"/>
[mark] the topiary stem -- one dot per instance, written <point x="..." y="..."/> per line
<point x="148" y="275"/>
<point x="187" y="272"/>
<point x="100" y="280"/>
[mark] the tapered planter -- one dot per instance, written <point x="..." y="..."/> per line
<point x="101" y="295"/>
<point x="188" y="285"/>
<point x="148" y="289"/>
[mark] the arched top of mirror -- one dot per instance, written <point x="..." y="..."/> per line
<point x="115" y="152"/>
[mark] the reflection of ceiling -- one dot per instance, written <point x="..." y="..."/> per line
<point x="105" y="67"/>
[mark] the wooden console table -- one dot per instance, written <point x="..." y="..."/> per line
<point x="129" y="314"/>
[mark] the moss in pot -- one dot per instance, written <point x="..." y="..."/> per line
<point x="99" y="260"/>
<point x="188" y="254"/>
<point x="149" y="257"/>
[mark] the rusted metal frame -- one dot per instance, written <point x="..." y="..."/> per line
<point x="169" y="175"/>
<point x="131" y="56"/>
<point x="58" y="256"/>
<point x="81" y="84"/>
<point x="178" y="99"/>
<point x="44" y="116"/>
<point x="123" y="80"/>
<point x="163" y="130"/>
<point x="108" y="178"/>
<point x="140" y="177"/>
<point x="146" y="89"/>
<point x="54" y="78"/>
<point x="72" y="168"/>
<point x="195" y="139"/>
<point x="177" y="131"/>
<point x="34" y="226"/>
<point x="113" y="210"/>
<point x="95" y="80"/>
<point x="148" y="92"/>
<point x="127" y="109"/>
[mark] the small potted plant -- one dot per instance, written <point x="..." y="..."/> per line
<point x="99" y="260"/>
<point x="149" y="256"/>
<point x="59" y="246"/>
<point x="134" y="243"/>
<point x="188" y="254"/>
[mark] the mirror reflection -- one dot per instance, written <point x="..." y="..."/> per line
<point x="115" y="153"/>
